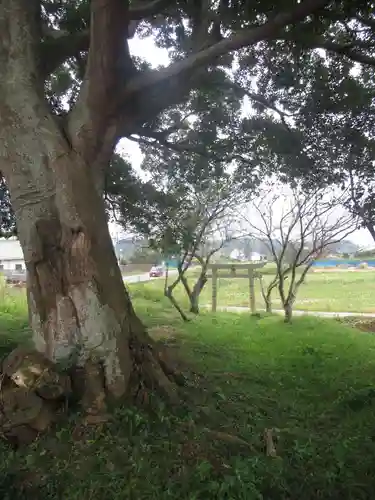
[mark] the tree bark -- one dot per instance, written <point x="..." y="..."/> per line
<point x="370" y="228"/>
<point x="267" y="293"/>
<point x="268" y="303"/>
<point x="288" y="312"/>
<point x="79" y="309"/>
<point x="195" y="294"/>
<point x="80" y="312"/>
<point x="194" y="303"/>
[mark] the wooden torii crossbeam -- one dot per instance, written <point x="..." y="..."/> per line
<point x="240" y="270"/>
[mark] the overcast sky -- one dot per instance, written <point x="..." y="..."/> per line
<point x="159" y="57"/>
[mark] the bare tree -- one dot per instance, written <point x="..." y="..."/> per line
<point x="220" y="232"/>
<point x="298" y="228"/>
<point x="196" y="231"/>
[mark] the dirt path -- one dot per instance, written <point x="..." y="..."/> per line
<point x="322" y="314"/>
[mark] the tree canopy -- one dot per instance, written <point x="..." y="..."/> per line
<point x="288" y="60"/>
<point x="71" y="89"/>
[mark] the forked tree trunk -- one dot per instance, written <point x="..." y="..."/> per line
<point x="267" y="294"/>
<point x="268" y="303"/>
<point x="288" y="312"/>
<point x="194" y="303"/>
<point x="197" y="290"/>
<point x="79" y="309"/>
<point x="80" y="312"/>
<point x="288" y="306"/>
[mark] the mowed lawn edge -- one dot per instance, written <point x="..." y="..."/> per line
<point x="326" y="291"/>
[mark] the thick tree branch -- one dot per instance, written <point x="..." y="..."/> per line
<point x="19" y="46"/>
<point x="59" y="46"/>
<point x="369" y="22"/>
<point x="259" y="99"/>
<point x="89" y="127"/>
<point x="159" y="97"/>
<point x="359" y="50"/>
<point x="347" y="50"/>
<point x="159" y="139"/>
<point x="237" y="41"/>
<point x="157" y="90"/>
<point x="141" y="10"/>
<point x="359" y="210"/>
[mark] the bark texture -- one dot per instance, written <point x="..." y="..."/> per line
<point x="79" y="309"/>
<point x="268" y="303"/>
<point x="80" y="312"/>
<point x="267" y="293"/>
<point x="288" y="312"/>
<point x="197" y="290"/>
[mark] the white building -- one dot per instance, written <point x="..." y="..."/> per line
<point x="256" y="257"/>
<point x="253" y="257"/>
<point x="11" y="255"/>
<point x="237" y="255"/>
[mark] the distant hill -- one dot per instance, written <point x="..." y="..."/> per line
<point x="345" y="246"/>
<point x="126" y="247"/>
<point x="249" y="245"/>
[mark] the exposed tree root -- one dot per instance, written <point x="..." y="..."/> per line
<point x="34" y="391"/>
<point x="153" y="370"/>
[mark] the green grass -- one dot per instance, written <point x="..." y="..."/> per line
<point x="135" y="272"/>
<point x="313" y="380"/>
<point x="322" y="291"/>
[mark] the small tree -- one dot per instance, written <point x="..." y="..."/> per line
<point x="197" y="227"/>
<point x="220" y="232"/>
<point x="298" y="228"/>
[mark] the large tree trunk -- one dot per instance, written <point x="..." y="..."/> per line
<point x="80" y="312"/>
<point x="79" y="309"/>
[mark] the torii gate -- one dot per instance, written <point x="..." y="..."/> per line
<point x="246" y="270"/>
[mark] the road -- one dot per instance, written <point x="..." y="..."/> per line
<point x="136" y="278"/>
<point x="133" y="278"/>
<point x="321" y="314"/>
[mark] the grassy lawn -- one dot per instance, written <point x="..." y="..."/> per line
<point x="322" y="291"/>
<point x="312" y="380"/>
